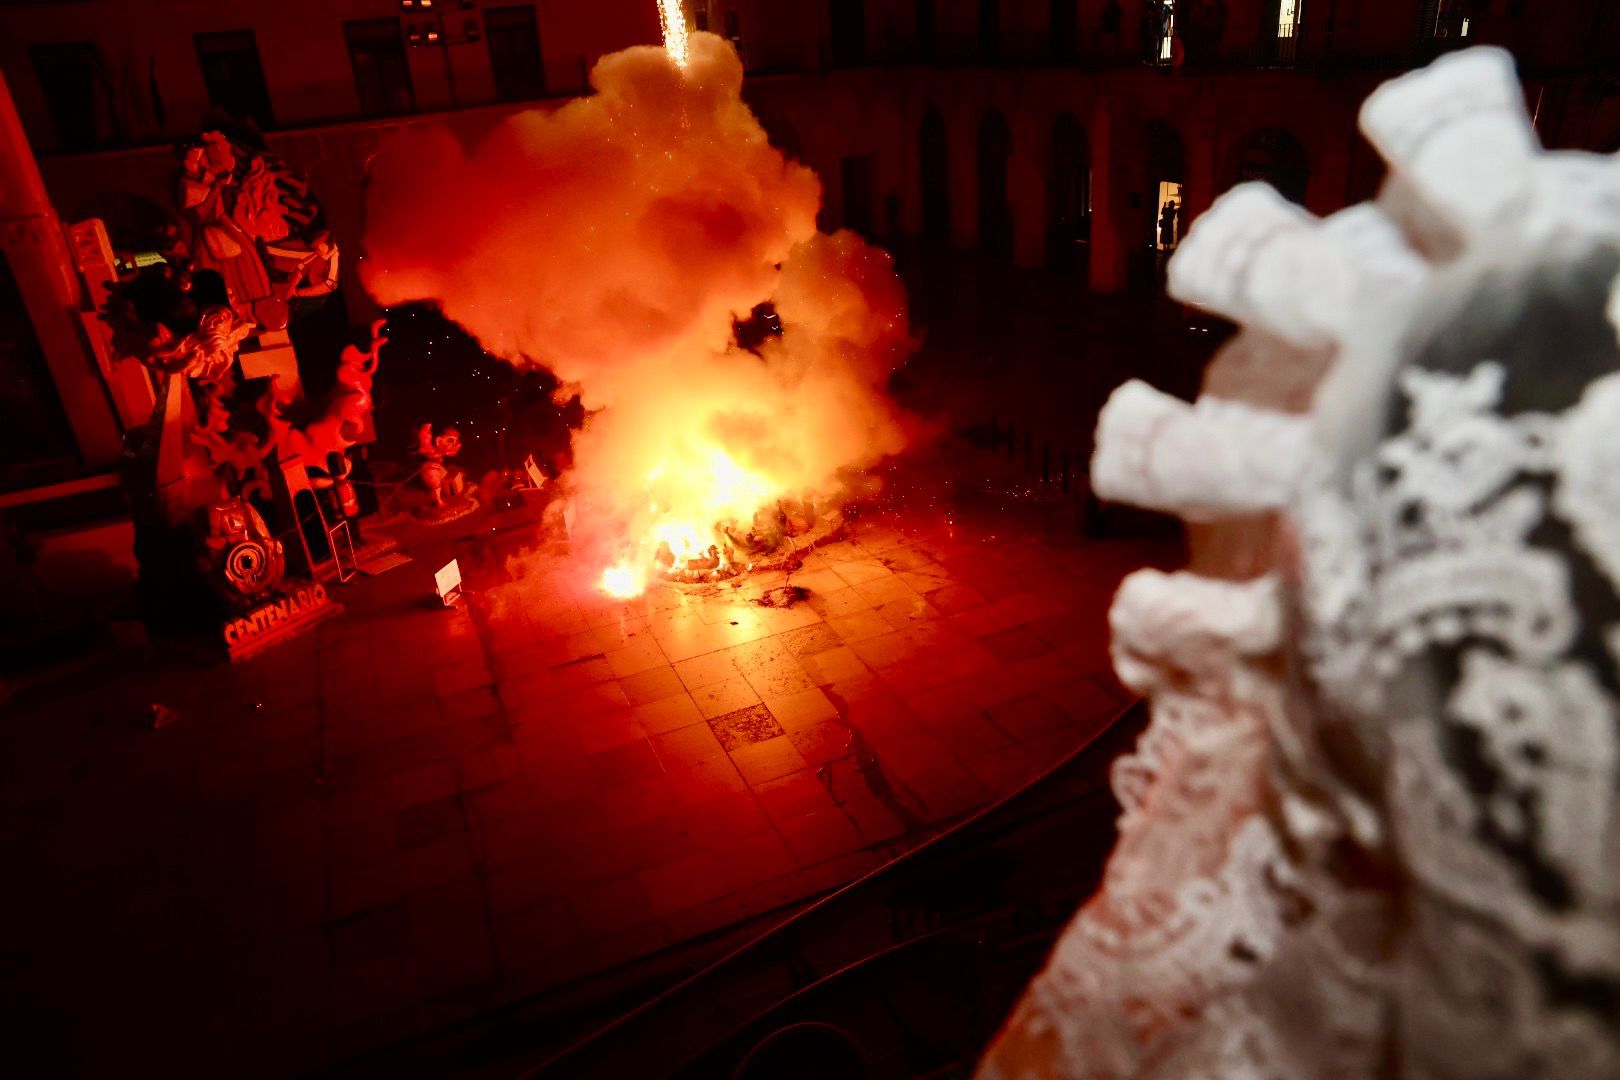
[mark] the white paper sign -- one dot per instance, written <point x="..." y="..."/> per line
<point x="448" y="582"/>
<point x="536" y="477"/>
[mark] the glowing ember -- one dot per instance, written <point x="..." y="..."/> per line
<point x="622" y="581"/>
<point x="673" y="20"/>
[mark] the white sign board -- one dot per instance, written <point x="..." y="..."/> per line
<point x="536" y="477"/>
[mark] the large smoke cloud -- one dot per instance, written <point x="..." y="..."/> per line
<point x="613" y="241"/>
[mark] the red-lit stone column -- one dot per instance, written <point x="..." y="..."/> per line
<point x="1109" y="192"/>
<point x="1203" y="182"/>
<point x="1026" y="188"/>
<point x="34" y="246"/>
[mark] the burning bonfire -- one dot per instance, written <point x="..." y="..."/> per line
<point x="618" y="240"/>
<point x="777" y="538"/>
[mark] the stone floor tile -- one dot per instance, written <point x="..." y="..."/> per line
<point x="778" y="677"/>
<point x="706" y="670"/>
<point x="801" y="708"/>
<point x="794" y="795"/>
<point x="956" y="598"/>
<point x="1018" y="643"/>
<point x="928" y="578"/>
<point x="654" y="684"/>
<point x="877" y="821"/>
<point x="884" y="650"/>
<point x="810" y="641"/>
<point x="752" y="857"/>
<point x="745" y="726"/>
<point x="947" y="790"/>
<point x="902" y="613"/>
<point x="527" y="938"/>
<point x="606" y="730"/>
<point x="762" y="761"/>
<point x="818" y="581"/>
<point x="680" y="884"/>
<point x="820" y="835"/>
<point x="1001" y="771"/>
<point x="635" y="656"/>
<point x="838" y="603"/>
<point x="1026" y="718"/>
<point x="631" y="761"/>
<point x="688" y="745"/>
<point x="576" y="674"/>
<point x="701" y="781"/>
<point x="859" y="571"/>
<point x="860" y="626"/>
<point x="721" y="698"/>
<point x="592" y="701"/>
<point x="611" y="907"/>
<point x="668" y="714"/>
<point x="885" y="590"/>
<point x="833" y="665"/>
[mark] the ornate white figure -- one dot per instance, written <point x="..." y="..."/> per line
<point x="1371" y="829"/>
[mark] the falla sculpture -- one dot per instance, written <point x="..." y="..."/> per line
<point x="1371" y="829"/>
<point x="244" y="489"/>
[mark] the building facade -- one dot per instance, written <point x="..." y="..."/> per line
<point x="1083" y="134"/>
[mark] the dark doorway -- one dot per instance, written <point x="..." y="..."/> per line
<point x="1068" y="196"/>
<point x="855" y="173"/>
<point x="70" y="74"/>
<point x="1064" y="20"/>
<point x="847" y="32"/>
<point x="989" y="30"/>
<point x="514" y="52"/>
<point x="234" y="76"/>
<point x="934" y="178"/>
<point x="1273" y="155"/>
<point x="381" y="74"/>
<point x="995" y="210"/>
<point x="1164" y="174"/>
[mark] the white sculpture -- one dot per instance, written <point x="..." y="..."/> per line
<point x="1371" y="829"/>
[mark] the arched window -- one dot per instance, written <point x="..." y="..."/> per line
<point x="847" y="32"/>
<point x="1068" y="194"/>
<point x="1273" y="155"/>
<point x="995" y="209"/>
<point x="934" y="178"/>
<point x="990" y="30"/>
<point x="1063" y="18"/>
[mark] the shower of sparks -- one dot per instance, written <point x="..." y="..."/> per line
<point x="674" y="23"/>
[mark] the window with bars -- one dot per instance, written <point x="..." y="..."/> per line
<point x="515" y="59"/>
<point x="381" y="73"/>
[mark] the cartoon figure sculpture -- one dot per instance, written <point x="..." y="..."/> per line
<point x="252" y="222"/>
<point x="445" y="484"/>
<point x="226" y="472"/>
<point x="1372" y="827"/>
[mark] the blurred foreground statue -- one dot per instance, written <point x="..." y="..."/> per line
<point x="1371" y="829"/>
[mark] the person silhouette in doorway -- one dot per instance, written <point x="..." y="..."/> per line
<point x="1167" y="225"/>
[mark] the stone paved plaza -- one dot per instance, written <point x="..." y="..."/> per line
<point x="414" y="815"/>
